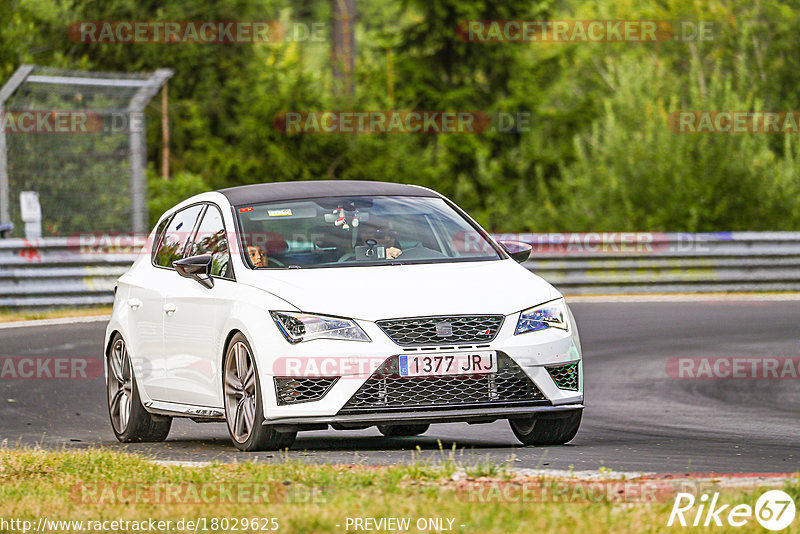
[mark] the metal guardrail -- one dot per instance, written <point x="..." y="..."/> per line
<point x="57" y="272"/>
<point x="617" y="263"/>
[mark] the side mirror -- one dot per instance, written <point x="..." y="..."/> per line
<point x="196" y="267"/>
<point x="519" y="251"/>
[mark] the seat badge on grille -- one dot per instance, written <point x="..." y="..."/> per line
<point x="444" y="329"/>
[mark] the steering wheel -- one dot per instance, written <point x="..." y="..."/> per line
<point x="421" y="252"/>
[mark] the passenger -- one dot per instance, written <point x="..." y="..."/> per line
<point x="257" y="256"/>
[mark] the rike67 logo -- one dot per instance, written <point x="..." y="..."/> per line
<point x="774" y="510"/>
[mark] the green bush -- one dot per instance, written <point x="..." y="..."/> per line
<point x="633" y="172"/>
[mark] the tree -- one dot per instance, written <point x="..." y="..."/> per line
<point x="343" y="44"/>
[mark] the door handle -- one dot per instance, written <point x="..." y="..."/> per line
<point x="134" y="303"/>
<point x="169" y="309"/>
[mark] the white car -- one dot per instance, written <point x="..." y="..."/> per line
<point x="296" y="306"/>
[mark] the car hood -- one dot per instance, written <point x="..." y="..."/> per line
<point x="382" y="292"/>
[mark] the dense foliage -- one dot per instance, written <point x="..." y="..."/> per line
<point x="597" y="153"/>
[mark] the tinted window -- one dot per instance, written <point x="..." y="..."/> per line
<point x="346" y="231"/>
<point x="176" y="236"/>
<point x="211" y="239"/>
<point x="157" y="236"/>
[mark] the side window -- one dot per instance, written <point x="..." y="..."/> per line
<point x="176" y="236"/>
<point x="211" y="239"/>
<point x="157" y="236"/>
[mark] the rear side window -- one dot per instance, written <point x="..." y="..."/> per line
<point x="157" y="236"/>
<point x="176" y="236"/>
<point x="211" y="239"/>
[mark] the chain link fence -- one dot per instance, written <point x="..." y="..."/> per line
<point x="76" y="138"/>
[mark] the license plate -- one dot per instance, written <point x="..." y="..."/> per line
<point x="462" y="363"/>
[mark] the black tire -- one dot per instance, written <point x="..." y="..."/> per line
<point x="140" y="425"/>
<point x="397" y="431"/>
<point x="260" y="437"/>
<point x="547" y="429"/>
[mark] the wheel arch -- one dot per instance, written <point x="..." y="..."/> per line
<point x="227" y="344"/>
<point x="111" y="335"/>
<point x="107" y="351"/>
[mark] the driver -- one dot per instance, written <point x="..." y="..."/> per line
<point x="385" y="237"/>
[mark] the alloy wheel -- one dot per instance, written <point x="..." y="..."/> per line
<point x="240" y="391"/>
<point x="120" y="386"/>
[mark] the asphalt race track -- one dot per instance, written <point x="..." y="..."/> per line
<point x="637" y="417"/>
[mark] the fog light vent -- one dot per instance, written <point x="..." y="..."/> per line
<point x="565" y="376"/>
<point x="294" y="390"/>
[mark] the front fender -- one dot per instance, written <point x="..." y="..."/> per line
<point x="249" y="314"/>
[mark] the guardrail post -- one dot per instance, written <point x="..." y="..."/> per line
<point x="137" y="148"/>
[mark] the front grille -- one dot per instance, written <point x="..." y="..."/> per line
<point x="387" y="390"/>
<point x="291" y="390"/>
<point x="565" y="376"/>
<point x="442" y="330"/>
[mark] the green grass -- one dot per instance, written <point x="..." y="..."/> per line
<point x="98" y="484"/>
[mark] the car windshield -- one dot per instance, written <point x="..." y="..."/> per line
<point x="361" y="230"/>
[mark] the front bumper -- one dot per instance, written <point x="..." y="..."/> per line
<point x="464" y="415"/>
<point x="355" y="362"/>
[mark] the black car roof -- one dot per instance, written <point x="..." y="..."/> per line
<point x="278" y="191"/>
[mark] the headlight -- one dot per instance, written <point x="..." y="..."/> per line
<point x="552" y="314"/>
<point x="297" y="327"/>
